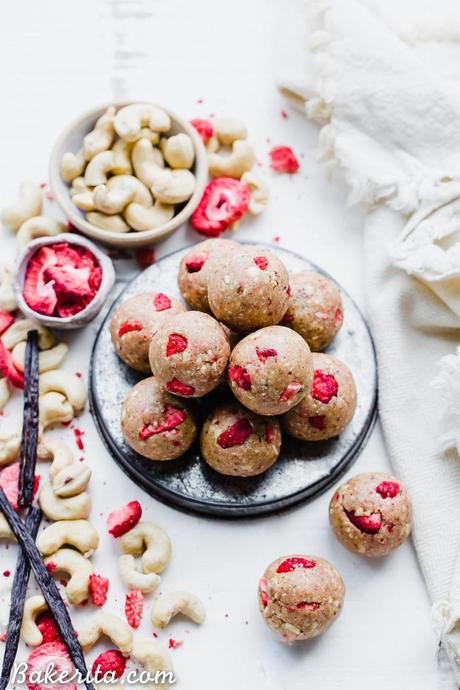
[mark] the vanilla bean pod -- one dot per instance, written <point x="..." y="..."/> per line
<point x="28" y="451"/>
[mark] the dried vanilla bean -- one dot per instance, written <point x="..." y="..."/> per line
<point x="28" y="452"/>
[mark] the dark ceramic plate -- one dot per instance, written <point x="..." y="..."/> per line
<point x="303" y="470"/>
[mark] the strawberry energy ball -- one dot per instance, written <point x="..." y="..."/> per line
<point x="271" y="370"/>
<point x="136" y="321"/>
<point x="195" y="269"/>
<point x="371" y="514"/>
<point x="239" y="443"/>
<point x="300" y="596"/>
<point x="328" y="407"/>
<point x="315" y="309"/>
<point x="189" y="354"/>
<point x="248" y="289"/>
<point x="155" y="423"/>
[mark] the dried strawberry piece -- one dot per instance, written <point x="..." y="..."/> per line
<point x="388" y="489"/>
<point x="179" y="387"/>
<point x="6" y="319"/>
<point x="39" y="660"/>
<point x="295" y="562"/>
<point x="129" y="326"/>
<point x="70" y="308"/>
<point x="318" y="421"/>
<point x="98" y="588"/>
<point x="236" y="434"/>
<point x="291" y="389"/>
<point x="370" y="524"/>
<point x="308" y="606"/>
<point x="173" y="418"/>
<point x="134" y="606"/>
<point x="9" y="478"/>
<point x="48" y="628"/>
<point x="261" y="262"/>
<point x="161" y="302"/>
<point x="269" y="433"/>
<point x="338" y="316"/>
<point x="325" y="386"/>
<point x="263" y="592"/>
<point x="283" y="160"/>
<point x="38" y="294"/>
<point x="112" y="661"/>
<point x="174" y="644"/>
<point x="265" y="353"/>
<point x="240" y="376"/>
<point x="121" y="521"/>
<point x="196" y="262"/>
<point x="176" y="343"/>
<point x="287" y="318"/>
<point x="145" y="257"/>
<point x="51" y="567"/>
<point x="203" y="127"/>
<point x="7" y="368"/>
<point x="224" y="201"/>
<point x="69" y="281"/>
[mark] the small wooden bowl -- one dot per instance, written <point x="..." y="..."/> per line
<point x="72" y="140"/>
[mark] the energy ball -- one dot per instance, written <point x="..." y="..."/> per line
<point x="328" y="407"/>
<point x="136" y="321"/>
<point x="300" y="596"/>
<point x="371" y="514"/>
<point x="248" y="289"/>
<point x="239" y="443"/>
<point x="271" y="370"/>
<point x="315" y="309"/>
<point x="195" y="269"/>
<point x="156" y="424"/>
<point x="189" y="354"/>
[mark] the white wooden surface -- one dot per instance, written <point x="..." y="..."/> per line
<point x="56" y="60"/>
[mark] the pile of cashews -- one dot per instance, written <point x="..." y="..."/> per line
<point x="131" y="171"/>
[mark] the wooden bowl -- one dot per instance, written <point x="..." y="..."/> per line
<point x="72" y="140"/>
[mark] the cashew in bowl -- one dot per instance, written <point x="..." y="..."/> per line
<point x="122" y="157"/>
<point x="56" y="508"/>
<point x="119" y="192"/>
<point x="28" y="205"/>
<point x="113" y="223"/>
<point x="98" y="168"/>
<point x="173" y="186"/>
<point x="84" y="200"/>
<point x="47" y="360"/>
<point x="38" y="226"/>
<point x="229" y="129"/>
<point x="240" y="160"/>
<point x="259" y="192"/>
<point x="71" y="480"/>
<point x="147" y="161"/>
<point x="79" y="568"/>
<point x="178" y="151"/>
<point x="79" y="186"/>
<point x="140" y="218"/>
<point x="130" y="120"/>
<point x="106" y="624"/>
<point x="151" y="654"/>
<point x="101" y="137"/>
<point x="17" y="333"/>
<point x="151" y="542"/>
<point x="8" y="300"/>
<point x="172" y="603"/>
<point x="5" y="392"/>
<point x="68" y="384"/>
<point x="33" y="607"/>
<point x="77" y="533"/>
<point x="133" y="579"/>
<point x="72" y="165"/>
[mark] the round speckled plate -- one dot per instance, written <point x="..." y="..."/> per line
<point x="303" y="469"/>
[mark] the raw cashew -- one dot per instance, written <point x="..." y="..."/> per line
<point x="5" y="392"/>
<point x="212" y="145"/>
<point x="140" y="218"/>
<point x="130" y="119"/>
<point x="17" y="333"/>
<point x="56" y="508"/>
<point x="72" y="165"/>
<point x="5" y="530"/>
<point x="79" y="568"/>
<point x="106" y="624"/>
<point x="133" y="579"/>
<point x="28" y="205"/>
<point x="259" y="192"/>
<point x="78" y="186"/>
<point x="98" y="168"/>
<point x="33" y="607"/>
<point x="240" y="160"/>
<point x="54" y="409"/>
<point x="8" y="300"/>
<point x="61" y="457"/>
<point x="68" y="384"/>
<point x="229" y="129"/>
<point x="147" y="161"/>
<point x="122" y="156"/>
<point x="38" y="226"/>
<point x="100" y="139"/>
<point x="77" y="533"/>
<point x="173" y="186"/>
<point x="84" y="200"/>
<point x="48" y="359"/>
<point x="150" y="541"/>
<point x="113" y="223"/>
<point x="71" y="480"/>
<point x="172" y="603"/>
<point x="151" y="654"/>
<point x="178" y="151"/>
<point x="147" y="133"/>
<point x="119" y="192"/>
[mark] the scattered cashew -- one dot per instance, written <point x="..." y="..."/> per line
<point x="140" y="218"/>
<point x="100" y="139"/>
<point x="5" y="530"/>
<point x="38" y="226"/>
<point x="5" y="392"/>
<point x="77" y="533"/>
<point x="178" y="151"/>
<point x="84" y="200"/>
<point x="68" y="384"/>
<point x="173" y="186"/>
<point x="61" y="457"/>
<point x="106" y="624"/>
<point x="17" y="333"/>
<point x="259" y="192"/>
<point x="47" y="360"/>
<point x="122" y="157"/>
<point x="72" y="165"/>
<point x="133" y="579"/>
<point x="28" y="205"/>
<point x="130" y="119"/>
<point x="228" y="130"/>
<point x="147" y="161"/>
<point x="119" y="192"/>
<point x="151" y="654"/>
<point x="150" y="541"/>
<point x="79" y="568"/>
<point x="113" y="223"/>
<point x="33" y="607"/>
<point x="240" y="160"/>
<point x="8" y="300"/>
<point x="172" y="603"/>
<point x="71" y="480"/>
<point x="98" y="168"/>
<point x="56" y="508"/>
<point x="54" y="408"/>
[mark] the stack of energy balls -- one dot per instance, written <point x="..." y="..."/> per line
<point x="252" y="325"/>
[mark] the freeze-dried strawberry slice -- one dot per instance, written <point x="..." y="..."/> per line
<point x="236" y="434"/>
<point x="161" y="302"/>
<point x="6" y="319"/>
<point x="263" y="592"/>
<point x="145" y="257"/>
<point x="39" y="294"/>
<point x="318" y="421"/>
<point x="134" y="606"/>
<point x="240" y="376"/>
<point x="179" y="387"/>
<point x="370" y="524"/>
<point x="48" y="628"/>
<point x="338" y="316"/>
<point x="295" y="562"/>
<point x="203" y="127"/>
<point x="39" y="660"/>
<point x="176" y="343"/>
<point x="173" y="418"/>
<point x="291" y="389"/>
<point x="98" y="588"/>
<point x="112" y="661"/>
<point x="261" y="262"/>
<point x="269" y="433"/>
<point x="264" y="353"/>
<point x="9" y="478"/>
<point x="7" y="368"/>
<point x="224" y="201"/>
<point x="196" y="262"/>
<point x="283" y="160"/>
<point x="69" y="281"/>
<point x="129" y="326"/>
<point x="121" y="521"/>
<point x="324" y="387"/>
<point x="388" y="489"/>
<point x="308" y="606"/>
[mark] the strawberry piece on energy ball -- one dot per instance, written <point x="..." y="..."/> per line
<point x="388" y="489"/>
<point x="224" y="201"/>
<point x="283" y="160"/>
<point x="161" y="302"/>
<point x="176" y="343"/>
<point x="236" y="434"/>
<point x="121" y="521"/>
<point x="129" y="326"/>
<point x="295" y="562"/>
<point x="173" y="418"/>
<point x="324" y="387"/>
<point x="196" y="262"/>
<point x="179" y="387"/>
<point x="240" y="376"/>
<point x="371" y="524"/>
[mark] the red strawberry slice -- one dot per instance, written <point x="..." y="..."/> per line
<point x="283" y="160"/>
<point x="261" y="262"/>
<point x="69" y="281"/>
<point x="295" y="562"/>
<point x="179" y="387"/>
<point x="134" y="606"/>
<point x="9" y="478"/>
<point x="264" y="353"/>
<point x="264" y="598"/>
<point x="39" y="294"/>
<point x="176" y="343"/>
<point x="318" y="421"/>
<point x="7" y="368"/>
<point x="161" y="302"/>
<point x="291" y="389"/>
<point x="173" y="418"/>
<point x="240" y="376"/>
<point x="224" y="201"/>
<point x="269" y="433"/>
<point x="236" y="434"/>
<point x="98" y="589"/>
<point x="196" y="262"/>
<point x="112" y="661"/>
<point x="388" y="489"/>
<point x="48" y="628"/>
<point x="370" y="524"/>
<point x="324" y="387"/>
<point x="145" y="257"/>
<point x="174" y="644"/>
<point x="129" y="326"/>
<point x="203" y="127"/>
<point x="41" y="658"/>
<point x="121" y="521"/>
<point x="6" y="319"/>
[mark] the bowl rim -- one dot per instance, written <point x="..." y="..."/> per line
<point x="131" y="239"/>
